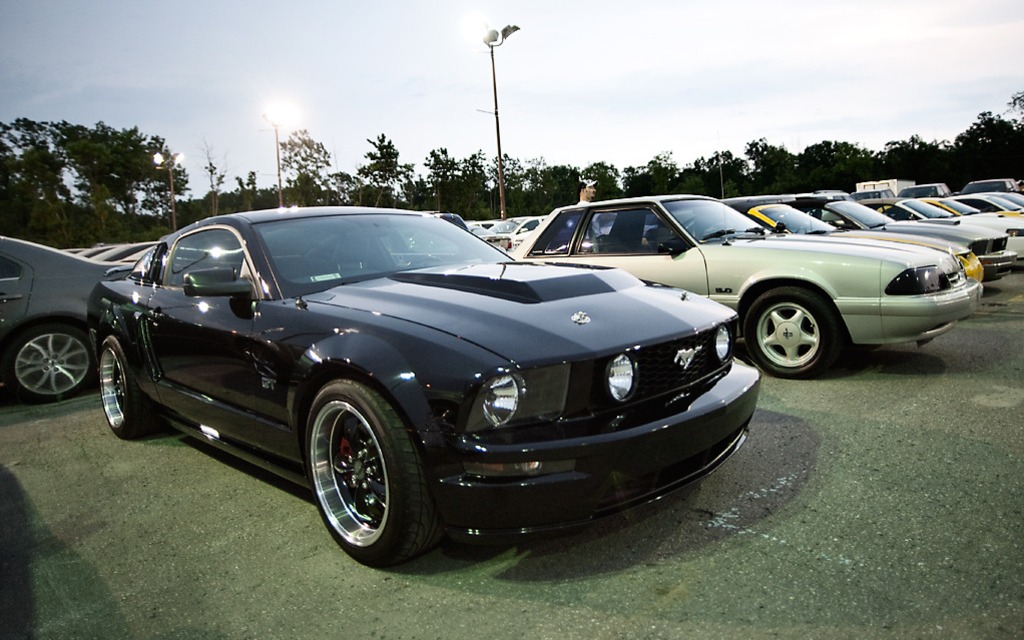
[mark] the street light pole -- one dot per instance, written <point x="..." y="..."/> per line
<point x="169" y="164"/>
<point x="277" y="148"/>
<point x="279" y="115"/>
<point x="495" y="39"/>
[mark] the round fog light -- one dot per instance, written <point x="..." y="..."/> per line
<point x="723" y="343"/>
<point x="621" y="377"/>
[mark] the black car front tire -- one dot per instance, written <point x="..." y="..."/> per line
<point x="792" y="333"/>
<point x="367" y="477"/>
<point x="129" y="413"/>
<point x="48" y="363"/>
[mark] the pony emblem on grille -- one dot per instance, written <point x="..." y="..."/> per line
<point x="580" y="317"/>
<point x="684" y="357"/>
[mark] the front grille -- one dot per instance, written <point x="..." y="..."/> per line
<point x="669" y="367"/>
<point x="985" y="247"/>
<point x="661" y="367"/>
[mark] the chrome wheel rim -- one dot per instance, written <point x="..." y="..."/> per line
<point x="350" y="476"/>
<point x="788" y="335"/>
<point x="112" y="388"/>
<point x="52" y="364"/>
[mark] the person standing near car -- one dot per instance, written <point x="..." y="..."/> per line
<point x="586" y="190"/>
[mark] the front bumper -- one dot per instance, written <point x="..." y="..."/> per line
<point x="896" y="319"/>
<point x="610" y="471"/>
<point x="998" y="264"/>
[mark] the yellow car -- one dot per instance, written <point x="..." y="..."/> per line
<point x="783" y="218"/>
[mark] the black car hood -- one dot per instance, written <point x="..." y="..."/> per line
<point x="532" y="312"/>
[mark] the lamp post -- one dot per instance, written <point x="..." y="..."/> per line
<point x="169" y="163"/>
<point x="278" y="115"/>
<point x="495" y="39"/>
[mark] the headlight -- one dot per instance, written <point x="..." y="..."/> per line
<point x="501" y="398"/>
<point x="723" y="343"/>
<point x="1015" y="233"/>
<point x="520" y="396"/>
<point x="621" y="373"/>
<point x="917" y="281"/>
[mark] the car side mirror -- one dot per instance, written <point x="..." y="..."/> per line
<point x="672" y="246"/>
<point x="216" y="282"/>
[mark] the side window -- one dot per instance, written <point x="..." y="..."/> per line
<point x="9" y="269"/>
<point x="557" y="237"/>
<point x="896" y="213"/>
<point x="203" y="250"/>
<point x="627" y="231"/>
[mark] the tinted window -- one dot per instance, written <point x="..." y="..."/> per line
<point x="203" y="250"/>
<point x="316" y="253"/>
<point x="9" y="269"/>
<point x="557" y="236"/>
<point x="625" y="231"/>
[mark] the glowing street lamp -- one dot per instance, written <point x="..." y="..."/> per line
<point x="495" y="39"/>
<point x="279" y="115"/>
<point x="160" y="162"/>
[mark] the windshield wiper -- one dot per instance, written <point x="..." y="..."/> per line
<point x="718" y="234"/>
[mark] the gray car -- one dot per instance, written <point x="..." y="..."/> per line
<point x="44" y="348"/>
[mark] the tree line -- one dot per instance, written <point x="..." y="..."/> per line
<point x="68" y="185"/>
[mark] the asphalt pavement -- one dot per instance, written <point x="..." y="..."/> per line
<point x="883" y="500"/>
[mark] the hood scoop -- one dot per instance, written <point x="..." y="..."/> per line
<point x="522" y="282"/>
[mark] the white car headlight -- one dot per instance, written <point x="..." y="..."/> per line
<point x="723" y="343"/>
<point x="501" y="398"/>
<point x="521" y="396"/>
<point x="621" y="374"/>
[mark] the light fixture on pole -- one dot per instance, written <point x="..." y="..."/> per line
<point x="169" y="163"/>
<point x="279" y="115"/>
<point x="495" y="39"/>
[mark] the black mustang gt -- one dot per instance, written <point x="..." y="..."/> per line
<point x="415" y="378"/>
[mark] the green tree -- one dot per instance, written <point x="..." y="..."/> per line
<point x="307" y="162"/>
<point x="833" y="165"/>
<point x="1017" y="103"/>
<point x="916" y="160"/>
<point x="992" y="147"/>
<point x="772" y="168"/>
<point x="383" y="173"/>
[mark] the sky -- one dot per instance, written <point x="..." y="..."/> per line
<point x="580" y="82"/>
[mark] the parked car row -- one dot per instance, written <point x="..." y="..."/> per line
<point x="800" y="298"/>
<point x="421" y="383"/>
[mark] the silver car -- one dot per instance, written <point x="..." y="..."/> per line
<point x="801" y="299"/>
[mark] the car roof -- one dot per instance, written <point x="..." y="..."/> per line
<point x="266" y="215"/>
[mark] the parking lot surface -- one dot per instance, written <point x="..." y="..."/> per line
<point x="883" y="500"/>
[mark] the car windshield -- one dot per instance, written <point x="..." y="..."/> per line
<point x="962" y="208"/>
<point x="862" y="214"/>
<point x="925" y="209"/>
<point x="1015" y="198"/>
<point x="707" y="220"/>
<point x="796" y="221"/>
<point x="1006" y="202"/>
<point x="507" y="226"/>
<point x="316" y="253"/>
